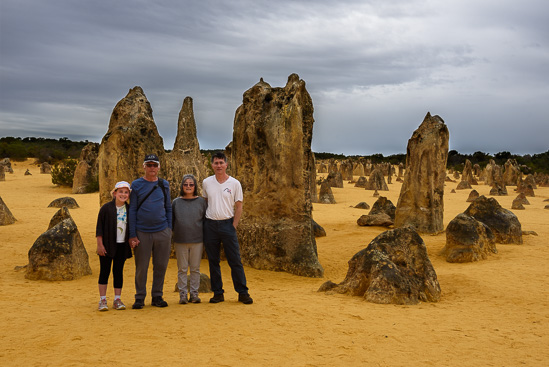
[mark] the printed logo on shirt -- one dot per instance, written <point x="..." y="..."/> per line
<point x="228" y="190"/>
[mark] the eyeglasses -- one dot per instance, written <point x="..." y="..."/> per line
<point x="152" y="164"/>
<point x="188" y="185"/>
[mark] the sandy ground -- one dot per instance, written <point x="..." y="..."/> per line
<point x="492" y="313"/>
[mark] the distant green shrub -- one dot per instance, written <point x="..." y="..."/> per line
<point x="62" y="174"/>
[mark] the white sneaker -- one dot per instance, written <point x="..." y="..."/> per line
<point x="103" y="305"/>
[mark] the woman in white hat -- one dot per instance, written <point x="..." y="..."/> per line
<point x="113" y="246"/>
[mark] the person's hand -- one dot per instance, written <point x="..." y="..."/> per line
<point x="134" y="242"/>
<point x="101" y="250"/>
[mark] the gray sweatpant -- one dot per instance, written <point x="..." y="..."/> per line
<point x="188" y="256"/>
<point x="157" y="244"/>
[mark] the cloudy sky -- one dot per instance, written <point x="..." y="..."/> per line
<point x="373" y="68"/>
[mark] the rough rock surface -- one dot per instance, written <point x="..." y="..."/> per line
<point x="131" y="135"/>
<point x="361" y="182"/>
<point x="58" y="254"/>
<point x="6" y="217"/>
<point x="2" y="174"/>
<point x="379" y="220"/>
<point x="335" y="179"/>
<point x="376" y="181"/>
<point x="185" y="156"/>
<point x="64" y="201"/>
<point x="502" y="222"/>
<point x="272" y="158"/>
<point x="468" y="240"/>
<point x="420" y="203"/>
<point x="382" y="214"/>
<point x="362" y="205"/>
<point x="5" y="165"/>
<point x="517" y="205"/>
<point x="511" y="172"/>
<point x="394" y="268"/>
<point x="522" y="199"/>
<point x="472" y="196"/>
<point x="526" y="189"/>
<point x="463" y="185"/>
<point x="498" y="189"/>
<point x="467" y="174"/>
<point x="87" y="169"/>
<point x="318" y="230"/>
<point x="325" y="195"/>
<point x="59" y="216"/>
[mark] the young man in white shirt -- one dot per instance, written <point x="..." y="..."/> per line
<point x="224" y="196"/>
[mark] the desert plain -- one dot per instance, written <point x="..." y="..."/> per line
<point x="493" y="312"/>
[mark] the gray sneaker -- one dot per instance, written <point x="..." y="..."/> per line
<point x="194" y="299"/>
<point x="118" y="305"/>
<point x="183" y="299"/>
<point x="103" y="305"/>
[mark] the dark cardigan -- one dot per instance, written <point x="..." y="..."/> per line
<point x="106" y="228"/>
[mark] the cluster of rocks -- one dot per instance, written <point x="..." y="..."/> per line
<point x="347" y="169"/>
<point x="499" y="177"/>
<point x="472" y="235"/>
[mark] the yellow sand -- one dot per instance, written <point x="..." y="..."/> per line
<point x="492" y="313"/>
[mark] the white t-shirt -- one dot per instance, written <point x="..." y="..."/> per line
<point x="121" y="222"/>
<point x="221" y="197"/>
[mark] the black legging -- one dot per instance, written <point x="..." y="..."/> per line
<point x="117" y="268"/>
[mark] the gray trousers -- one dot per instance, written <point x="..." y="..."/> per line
<point x="157" y="244"/>
<point x="189" y="256"/>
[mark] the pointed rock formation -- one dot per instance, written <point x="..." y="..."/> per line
<point x="132" y="134"/>
<point x="272" y="158"/>
<point x="185" y="157"/>
<point x="335" y="179"/>
<point x="472" y="196"/>
<point x="325" y="195"/>
<point x="58" y="253"/>
<point x="361" y="182"/>
<point x="468" y="173"/>
<point x="376" y="181"/>
<point x="6" y="217"/>
<point x="420" y="203"/>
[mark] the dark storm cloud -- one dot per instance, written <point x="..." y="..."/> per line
<point x="373" y="68"/>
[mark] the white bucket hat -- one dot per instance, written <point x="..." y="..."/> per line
<point x="119" y="185"/>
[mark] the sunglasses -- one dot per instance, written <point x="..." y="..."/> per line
<point x="152" y="164"/>
<point x="188" y="185"/>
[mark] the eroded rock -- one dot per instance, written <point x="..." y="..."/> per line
<point x="58" y="254"/>
<point x="272" y="158"/>
<point x="502" y="222"/>
<point x="467" y="240"/>
<point x="420" y="203"/>
<point x="394" y="268"/>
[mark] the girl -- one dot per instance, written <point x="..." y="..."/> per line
<point x="188" y="212"/>
<point x="112" y="244"/>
